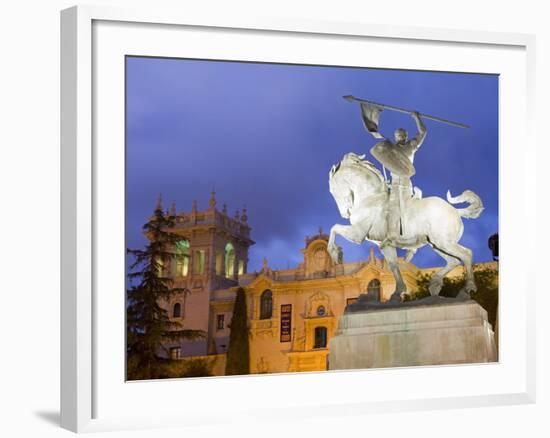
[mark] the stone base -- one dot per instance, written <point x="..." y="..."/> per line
<point x="436" y="334"/>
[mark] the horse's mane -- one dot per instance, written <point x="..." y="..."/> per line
<point x="351" y="159"/>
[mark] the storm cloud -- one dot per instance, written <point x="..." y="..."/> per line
<point x="266" y="135"/>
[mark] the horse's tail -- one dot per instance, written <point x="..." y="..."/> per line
<point x="473" y="210"/>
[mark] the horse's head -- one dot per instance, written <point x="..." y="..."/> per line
<point x="352" y="180"/>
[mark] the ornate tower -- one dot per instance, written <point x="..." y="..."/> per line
<point x="211" y="255"/>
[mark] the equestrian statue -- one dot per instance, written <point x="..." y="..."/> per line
<point x="394" y="214"/>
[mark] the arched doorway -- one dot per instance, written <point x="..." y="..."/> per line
<point x="373" y="289"/>
<point x="320" y="337"/>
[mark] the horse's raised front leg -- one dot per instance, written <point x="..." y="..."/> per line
<point x="352" y="233"/>
<point x="390" y="254"/>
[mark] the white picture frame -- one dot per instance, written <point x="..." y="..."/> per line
<point x="83" y="395"/>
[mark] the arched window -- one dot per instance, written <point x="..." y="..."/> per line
<point x="199" y="262"/>
<point x="240" y="270"/>
<point x="373" y="289"/>
<point x="219" y="263"/>
<point x="266" y="305"/>
<point x="229" y="261"/>
<point x="182" y="258"/>
<point x="176" y="311"/>
<point x="160" y="267"/>
<point x="320" y="337"/>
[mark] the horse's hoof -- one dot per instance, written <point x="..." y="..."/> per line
<point x="463" y="295"/>
<point x="334" y="254"/>
<point x="435" y="287"/>
<point x="396" y="297"/>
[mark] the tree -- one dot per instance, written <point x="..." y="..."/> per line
<point x="238" y="352"/>
<point x="197" y="368"/>
<point x="148" y="327"/>
<point x="486" y="279"/>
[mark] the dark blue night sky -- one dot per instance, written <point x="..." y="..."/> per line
<point x="266" y="135"/>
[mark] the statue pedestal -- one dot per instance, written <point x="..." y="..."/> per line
<point x="402" y="336"/>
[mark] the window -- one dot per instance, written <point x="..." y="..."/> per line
<point x="160" y="267"/>
<point x="229" y="261"/>
<point x="241" y="267"/>
<point x="266" y="305"/>
<point x="175" y="353"/>
<point x="176" y="311"/>
<point x="220" y="323"/>
<point x="199" y="261"/>
<point x="373" y="289"/>
<point x="320" y="337"/>
<point x="182" y="258"/>
<point x="219" y="263"/>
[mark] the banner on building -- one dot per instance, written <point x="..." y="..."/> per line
<point x="286" y="322"/>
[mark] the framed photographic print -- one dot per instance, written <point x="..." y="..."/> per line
<point x="321" y="216"/>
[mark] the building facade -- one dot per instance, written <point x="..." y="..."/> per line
<point x="292" y="313"/>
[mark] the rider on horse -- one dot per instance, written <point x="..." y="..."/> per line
<point x="398" y="157"/>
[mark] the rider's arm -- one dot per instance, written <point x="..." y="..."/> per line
<point x="418" y="139"/>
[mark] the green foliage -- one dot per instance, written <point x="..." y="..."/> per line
<point x="148" y="326"/>
<point x="486" y="279"/>
<point x="197" y="368"/>
<point x="174" y="369"/>
<point x="238" y="352"/>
